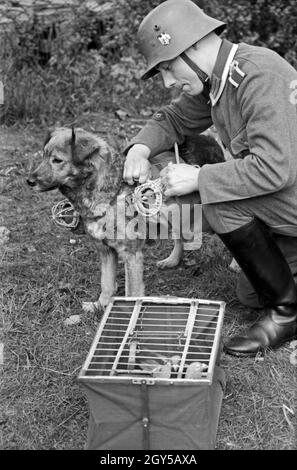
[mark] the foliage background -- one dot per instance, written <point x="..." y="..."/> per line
<point x="93" y="68"/>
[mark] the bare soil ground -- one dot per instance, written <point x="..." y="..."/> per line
<point x="44" y="278"/>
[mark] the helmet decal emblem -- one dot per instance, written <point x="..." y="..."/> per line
<point x="164" y="39"/>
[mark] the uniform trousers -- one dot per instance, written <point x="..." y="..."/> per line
<point x="278" y="211"/>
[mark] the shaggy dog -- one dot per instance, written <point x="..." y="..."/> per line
<point x="88" y="172"/>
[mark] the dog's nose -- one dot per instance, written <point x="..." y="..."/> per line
<point x="31" y="182"/>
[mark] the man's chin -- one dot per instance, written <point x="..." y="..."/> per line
<point x="192" y="90"/>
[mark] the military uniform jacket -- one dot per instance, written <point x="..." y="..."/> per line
<point x="254" y="111"/>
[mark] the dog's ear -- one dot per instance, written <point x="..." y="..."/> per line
<point x="85" y="147"/>
<point x="48" y="137"/>
<point x="72" y="144"/>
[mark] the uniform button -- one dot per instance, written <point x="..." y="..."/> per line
<point x="159" y="116"/>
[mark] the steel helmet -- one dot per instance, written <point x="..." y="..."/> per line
<point x="170" y="29"/>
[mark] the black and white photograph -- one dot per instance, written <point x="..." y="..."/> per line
<point x="148" y="229"/>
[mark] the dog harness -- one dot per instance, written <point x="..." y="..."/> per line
<point x="147" y="199"/>
<point x="64" y="214"/>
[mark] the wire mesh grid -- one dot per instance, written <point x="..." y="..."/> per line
<point x="152" y="339"/>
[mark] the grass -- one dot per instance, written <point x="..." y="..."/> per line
<point x="44" y="279"/>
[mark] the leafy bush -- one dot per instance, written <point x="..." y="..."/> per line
<point x="57" y="71"/>
<point x="268" y="23"/>
<point x="77" y="77"/>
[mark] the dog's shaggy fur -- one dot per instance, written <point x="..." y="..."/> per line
<point x="88" y="172"/>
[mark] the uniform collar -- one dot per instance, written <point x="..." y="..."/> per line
<point x="220" y="72"/>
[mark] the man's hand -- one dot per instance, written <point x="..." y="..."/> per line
<point x="180" y="179"/>
<point x="137" y="167"/>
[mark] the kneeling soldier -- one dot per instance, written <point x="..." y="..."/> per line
<point x="251" y="200"/>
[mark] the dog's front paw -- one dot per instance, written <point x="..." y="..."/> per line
<point x="169" y="262"/>
<point x="99" y="306"/>
<point x="104" y="300"/>
<point x="91" y="307"/>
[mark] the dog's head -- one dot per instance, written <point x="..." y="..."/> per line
<point x="69" y="156"/>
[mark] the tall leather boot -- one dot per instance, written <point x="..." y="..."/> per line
<point x="264" y="265"/>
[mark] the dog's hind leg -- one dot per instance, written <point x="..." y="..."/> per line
<point x="109" y="261"/>
<point x="174" y="258"/>
<point x="134" y="274"/>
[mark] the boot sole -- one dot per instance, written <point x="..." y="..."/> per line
<point x="261" y="351"/>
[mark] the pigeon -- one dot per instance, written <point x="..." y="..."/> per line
<point x="195" y="370"/>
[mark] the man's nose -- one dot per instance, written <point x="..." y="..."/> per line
<point x="168" y="79"/>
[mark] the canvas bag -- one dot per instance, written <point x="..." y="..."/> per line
<point x="140" y="416"/>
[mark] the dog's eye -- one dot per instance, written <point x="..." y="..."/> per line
<point x="57" y="160"/>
